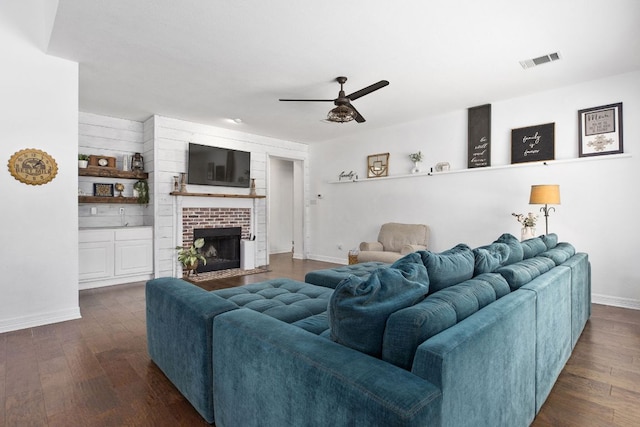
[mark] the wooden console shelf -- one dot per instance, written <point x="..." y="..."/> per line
<point x="116" y="199"/>
<point x="112" y="173"/>
<point x="234" y="196"/>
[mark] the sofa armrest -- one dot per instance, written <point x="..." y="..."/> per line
<point x="179" y="322"/>
<point x="371" y="246"/>
<point x="261" y="363"/>
<point x="407" y="249"/>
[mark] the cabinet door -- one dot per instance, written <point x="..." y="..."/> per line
<point x="133" y="257"/>
<point x="96" y="260"/>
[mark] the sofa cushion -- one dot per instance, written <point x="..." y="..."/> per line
<point x="408" y="328"/>
<point x="284" y="299"/>
<point x="489" y="258"/>
<point x="560" y="253"/>
<point x="550" y="240"/>
<point x="515" y="248"/>
<point x="449" y="267"/>
<point x="330" y="277"/>
<point x="533" y="247"/>
<point x="523" y="272"/>
<point x="358" y="309"/>
<point x="394" y="236"/>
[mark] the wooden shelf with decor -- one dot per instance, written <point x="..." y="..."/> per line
<point x="100" y="199"/>
<point x="111" y="173"/>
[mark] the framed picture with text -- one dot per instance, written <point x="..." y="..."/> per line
<point x="533" y="143"/>
<point x="600" y="130"/>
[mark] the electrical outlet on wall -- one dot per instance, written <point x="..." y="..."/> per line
<point x="121" y="211"/>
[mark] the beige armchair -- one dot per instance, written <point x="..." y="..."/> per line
<point x="394" y="241"/>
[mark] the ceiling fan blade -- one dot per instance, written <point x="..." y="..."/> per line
<point x="309" y="100"/>
<point x="359" y="117"/>
<point x="368" y="89"/>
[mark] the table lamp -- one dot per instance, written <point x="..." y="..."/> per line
<point x="545" y="195"/>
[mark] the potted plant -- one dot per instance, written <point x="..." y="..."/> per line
<point x="415" y="158"/>
<point x="83" y="160"/>
<point x="191" y="257"/>
<point x="141" y="191"/>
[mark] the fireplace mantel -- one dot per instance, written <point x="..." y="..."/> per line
<point x="233" y="196"/>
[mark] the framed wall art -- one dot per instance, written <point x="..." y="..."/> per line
<point x="533" y="143"/>
<point x="479" y="136"/>
<point x="600" y="130"/>
<point x="103" y="190"/>
<point x="377" y="165"/>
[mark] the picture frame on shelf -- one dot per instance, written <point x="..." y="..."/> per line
<point x="600" y="130"/>
<point x="378" y="165"/>
<point x="102" y="190"/>
<point x="533" y="143"/>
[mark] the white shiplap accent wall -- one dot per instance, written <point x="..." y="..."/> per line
<point x="109" y="136"/>
<point x="170" y="151"/>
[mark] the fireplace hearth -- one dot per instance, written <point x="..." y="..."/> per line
<point x="221" y="247"/>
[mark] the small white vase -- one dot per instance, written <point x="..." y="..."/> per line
<point x="415" y="169"/>
<point x="82" y="164"/>
<point x="528" y="233"/>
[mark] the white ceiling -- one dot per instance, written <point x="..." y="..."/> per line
<point x="211" y="61"/>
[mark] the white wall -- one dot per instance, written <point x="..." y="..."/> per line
<point x="170" y="139"/>
<point x="109" y="136"/>
<point x="38" y="224"/>
<point x="599" y="196"/>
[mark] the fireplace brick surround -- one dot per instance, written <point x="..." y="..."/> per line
<point x="214" y="218"/>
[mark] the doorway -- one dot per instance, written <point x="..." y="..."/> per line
<point x="285" y="207"/>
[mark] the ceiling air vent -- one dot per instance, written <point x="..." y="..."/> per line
<point x="530" y="63"/>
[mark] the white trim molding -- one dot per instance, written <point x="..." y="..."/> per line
<point x="616" y="301"/>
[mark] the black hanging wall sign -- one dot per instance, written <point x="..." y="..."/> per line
<point x="533" y="143"/>
<point x="479" y="136"/>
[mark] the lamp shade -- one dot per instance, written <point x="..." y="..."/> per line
<point x="545" y="195"/>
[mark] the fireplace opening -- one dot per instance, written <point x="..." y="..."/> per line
<point x="221" y="248"/>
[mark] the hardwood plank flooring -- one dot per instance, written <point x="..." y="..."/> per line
<point x="95" y="371"/>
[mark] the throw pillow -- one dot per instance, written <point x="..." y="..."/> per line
<point x="359" y="308"/>
<point x="449" y="267"/>
<point x="489" y="258"/>
<point x="516" y="253"/>
<point x="550" y="240"/>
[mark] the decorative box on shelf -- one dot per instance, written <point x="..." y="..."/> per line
<point x="102" y="161"/>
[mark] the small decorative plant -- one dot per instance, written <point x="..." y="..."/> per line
<point x="528" y="220"/>
<point x="142" y="187"/>
<point x="190" y="257"/>
<point x="416" y="157"/>
<point x="83" y="157"/>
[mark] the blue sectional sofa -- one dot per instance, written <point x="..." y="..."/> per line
<point x="465" y="337"/>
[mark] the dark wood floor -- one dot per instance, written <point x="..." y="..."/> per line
<point x="95" y="371"/>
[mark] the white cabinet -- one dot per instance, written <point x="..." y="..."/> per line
<point x="112" y="256"/>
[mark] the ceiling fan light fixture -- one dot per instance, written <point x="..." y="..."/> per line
<point x="341" y="114"/>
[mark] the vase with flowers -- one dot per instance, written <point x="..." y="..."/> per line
<point x="415" y="158"/>
<point x="528" y="222"/>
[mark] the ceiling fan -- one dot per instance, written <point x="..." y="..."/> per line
<point x="344" y="111"/>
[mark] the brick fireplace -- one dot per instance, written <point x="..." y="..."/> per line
<point x="203" y="218"/>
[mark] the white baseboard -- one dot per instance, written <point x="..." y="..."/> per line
<point x="17" y="323"/>
<point x="343" y="261"/>
<point x="616" y="301"/>
<point x="120" y="280"/>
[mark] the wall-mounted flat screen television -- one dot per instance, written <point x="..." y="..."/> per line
<point x="222" y="167"/>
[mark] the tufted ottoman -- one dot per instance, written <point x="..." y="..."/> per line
<point x="180" y="319"/>
<point x="329" y="278"/>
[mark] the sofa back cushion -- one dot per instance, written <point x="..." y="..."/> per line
<point x="515" y="248"/>
<point x="394" y="236"/>
<point x="449" y="267"/>
<point x="550" y="240"/>
<point x="489" y="258"/>
<point x="533" y="247"/>
<point x="560" y="253"/>
<point x="358" y="309"/>
<point x="408" y="328"/>
<point x="523" y="272"/>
